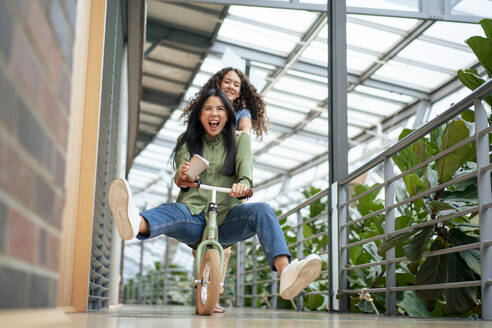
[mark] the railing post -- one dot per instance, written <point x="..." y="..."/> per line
<point x="165" y="273"/>
<point x="485" y="214"/>
<point x="300" y="253"/>
<point x="389" y="199"/>
<point x="333" y="247"/>
<point x="238" y="273"/>
<point x="274" y="275"/>
<point x="254" y="289"/>
<point x="343" y="253"/>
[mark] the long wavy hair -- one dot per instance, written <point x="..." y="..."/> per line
<point x="248" y="98"/>
<point x="193" y="136"/>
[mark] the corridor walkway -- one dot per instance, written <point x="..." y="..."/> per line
<point x="183" y="317"/>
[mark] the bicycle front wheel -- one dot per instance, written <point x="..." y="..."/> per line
<point x="209" y="287"/>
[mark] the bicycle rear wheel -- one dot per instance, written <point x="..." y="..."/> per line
<point x="207" y="294"/>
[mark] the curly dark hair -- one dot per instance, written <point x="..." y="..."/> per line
<point x="193" y="136"/>
<point x="248" y="98"/>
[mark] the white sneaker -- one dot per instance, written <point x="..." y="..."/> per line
<point x="125" y="214"/>
<point x="298" y="275"/>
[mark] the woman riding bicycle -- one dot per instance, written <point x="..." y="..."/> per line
<point x="210" y="133"/>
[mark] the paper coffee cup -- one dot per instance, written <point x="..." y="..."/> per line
<point x="198" y="164"/>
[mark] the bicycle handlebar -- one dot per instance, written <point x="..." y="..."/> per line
<point x="249" y="192"/>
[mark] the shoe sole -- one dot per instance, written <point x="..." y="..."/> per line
<point x="309" y="272"/>
<point x="118" y="197"/>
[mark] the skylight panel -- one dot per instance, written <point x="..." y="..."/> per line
<point x="255" y="35"/>
<point x="412" y="76"/>
<point x="369" y="104"/>
<point x="211" y="65"/>
<point x="283" y="116"/>
<point x="358" y="61"/>
<point x="322" y="79"/>
<point x="437" y="55"/>
<point x="274" y="99"/>
<point x="309" y="89"/>
<point x="293" y="99"/>
<point x="384" y="93"/>
<point x="478" y="8"/>
<point x="353" y="131"/>
<point x="393" y="22"/>
<point x="290" y="153"/>
<point x="201" y="78"/>
<point x="306" y="144"/>
<point x="410" y="5"/>
<point x="454" y="32"/>
<point x="285" y="163"/>
<point x="362" y="119"/>
<point x="370" y="38"/>
<point x="318" y="125"/>
<point x="293" y="19"/>
<point x="317" y="52"/>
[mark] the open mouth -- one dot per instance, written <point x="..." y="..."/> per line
<point x="213" y="124"/>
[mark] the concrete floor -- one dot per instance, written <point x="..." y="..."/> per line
<point x="183" y="317"/>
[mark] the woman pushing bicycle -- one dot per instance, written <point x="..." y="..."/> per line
<point x="210" y="133"/>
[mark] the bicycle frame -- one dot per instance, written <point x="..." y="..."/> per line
<point x="211" y="233"/>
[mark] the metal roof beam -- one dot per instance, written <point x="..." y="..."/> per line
<point x="160" y="97"/>
<point x="296" y="5"/>
<point x="159" y="32"/>
<point x="423" y="14"/>
<point x="160" y="77"/>
<point x="162" y="62"/>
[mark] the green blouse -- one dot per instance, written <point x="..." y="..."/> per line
<point x="198" y="200"/>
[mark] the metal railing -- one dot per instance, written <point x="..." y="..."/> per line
<point x="154" y="288"/>
<point x="247" y="277"/>
<point x="391" y="179"/>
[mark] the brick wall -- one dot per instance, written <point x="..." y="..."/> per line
<point x="36" y="41"/>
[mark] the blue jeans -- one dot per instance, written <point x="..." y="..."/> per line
<point x="243" y="221"/>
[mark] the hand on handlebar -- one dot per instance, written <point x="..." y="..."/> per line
<point x="239" y="190"/>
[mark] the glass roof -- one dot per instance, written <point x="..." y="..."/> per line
<point x="293" y="155"/>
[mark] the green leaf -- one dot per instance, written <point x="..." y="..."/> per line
<point x="469" y="196"/>
<point x="355" y="253"/>
<point x="368" y="203"/>
<point x="471" y="257"/>
<point x="447" y="165"/>
<point x="472" y="80"/>
<point x="482" y="48"/>
<point x="403" y="222"/>
<point x="395" y="240"/>
<point x="415" y="248"/>
<point x="432" y="271"/>
<point x="419" y="149"/>
<point x="459" y="300"/>
<point x="413" y="305"/>
<point x="365" y="306"/>
<point x="314" y="302"/>
<point x="487" y="27"/>
<point x="440" y="206"/>
<point x="307" y="231"/>
<point x="413" y="184"/>
<point x="372" y="249"/>
<point x="468" y="115"/>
